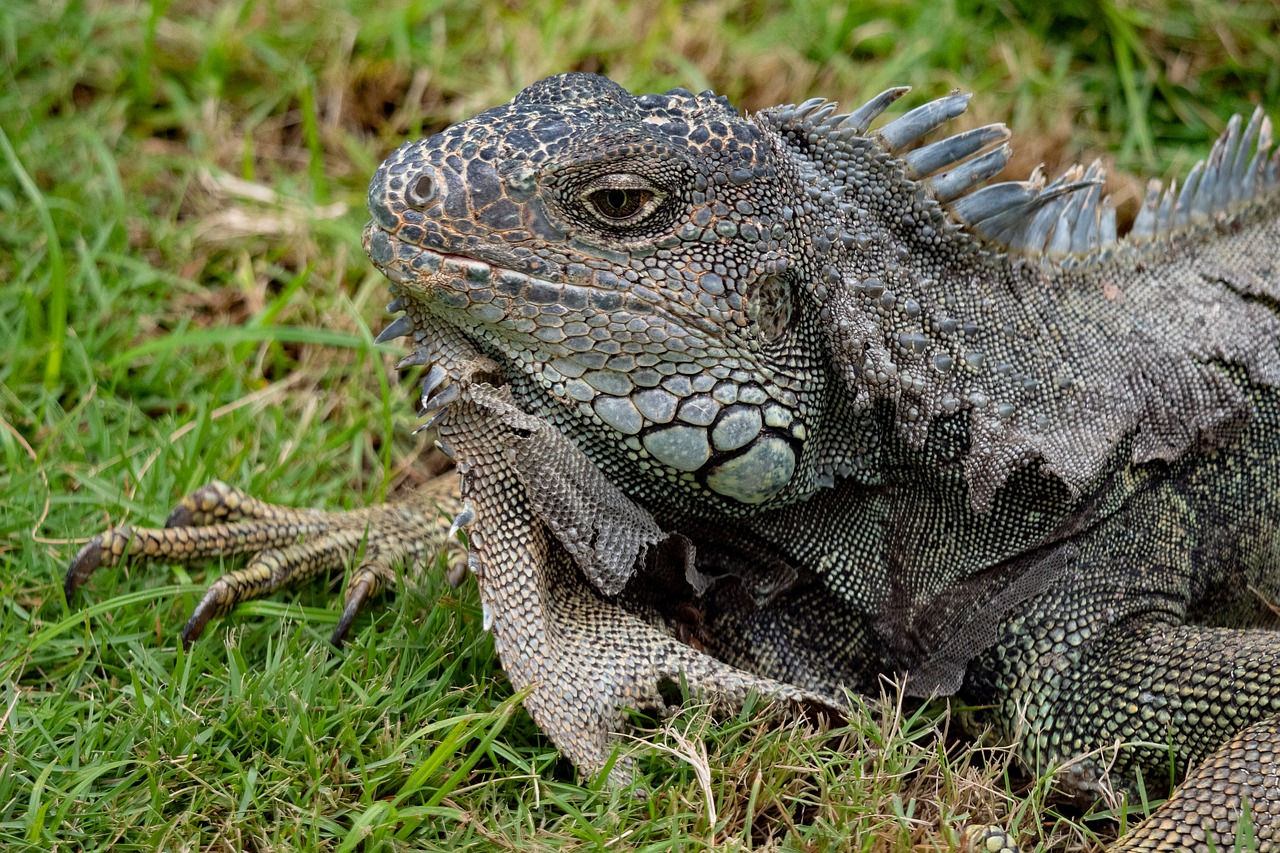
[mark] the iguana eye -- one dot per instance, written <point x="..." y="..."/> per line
<point x="619" y="203"/>
<point x="621" y="199"/>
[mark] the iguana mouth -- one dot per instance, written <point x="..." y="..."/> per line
<point x="448" y="282"/>
<point x="745" y="446"/>
<point x="424" y="269"/>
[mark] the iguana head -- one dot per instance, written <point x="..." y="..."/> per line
<point x="633" y="263"/>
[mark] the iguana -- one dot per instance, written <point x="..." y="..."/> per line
<point x="780" y="402"/>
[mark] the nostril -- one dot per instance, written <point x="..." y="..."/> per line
<point x="421" y="191"/>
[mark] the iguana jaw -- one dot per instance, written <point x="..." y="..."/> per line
<point x="737" y="439"/>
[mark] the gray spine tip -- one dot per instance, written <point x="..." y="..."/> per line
<point x="399" y="327"/>
<point x="936" y="156"/>
<point x="861" y="118"/>
<point x="912" y="126"/>
<point x="949" y="185"/>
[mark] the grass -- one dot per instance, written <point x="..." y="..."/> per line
<point x="183" y="297"/>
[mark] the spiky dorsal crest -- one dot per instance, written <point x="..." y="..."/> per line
<point x="1056" y="360"/>
<point x="1240" y="167"/>
<point x="1066" y="219"/>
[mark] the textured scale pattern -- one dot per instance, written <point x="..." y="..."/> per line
<point x="1209" y="807"/>
<point x="792" y="401"/>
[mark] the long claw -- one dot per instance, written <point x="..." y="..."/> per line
<point x="464" y="519"/>
<point x="449" y="394"/>
<point x="105" y="549"/>
<point x="431" y="422"/>
<point x="350" y="610"/>
<point x="399" y="327"/>
<point x="368" y="581"/>
<point x="210" y="605"/>
<point x="88" y="561"/>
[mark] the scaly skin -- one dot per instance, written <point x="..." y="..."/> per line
<point x="776" y="403"/>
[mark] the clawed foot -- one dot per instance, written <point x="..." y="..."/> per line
<point x="288" y="545"/>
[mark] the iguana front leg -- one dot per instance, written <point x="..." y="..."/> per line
<point x="1150" y="690"/>
<point x="1143" y="695"/>
<point x="289" y="546"/>
<point x="1208" y="807"/>
<point x="1196" y="691"/>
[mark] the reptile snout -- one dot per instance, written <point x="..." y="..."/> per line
<point x="403" y="187"/>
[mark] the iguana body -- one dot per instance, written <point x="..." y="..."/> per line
<point x="778" y="403"/>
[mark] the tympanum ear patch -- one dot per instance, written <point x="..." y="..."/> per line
<point x="768" y="301"/>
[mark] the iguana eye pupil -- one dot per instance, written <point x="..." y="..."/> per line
<point x="617" y="199"/>
<point x="618" y="203"/>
